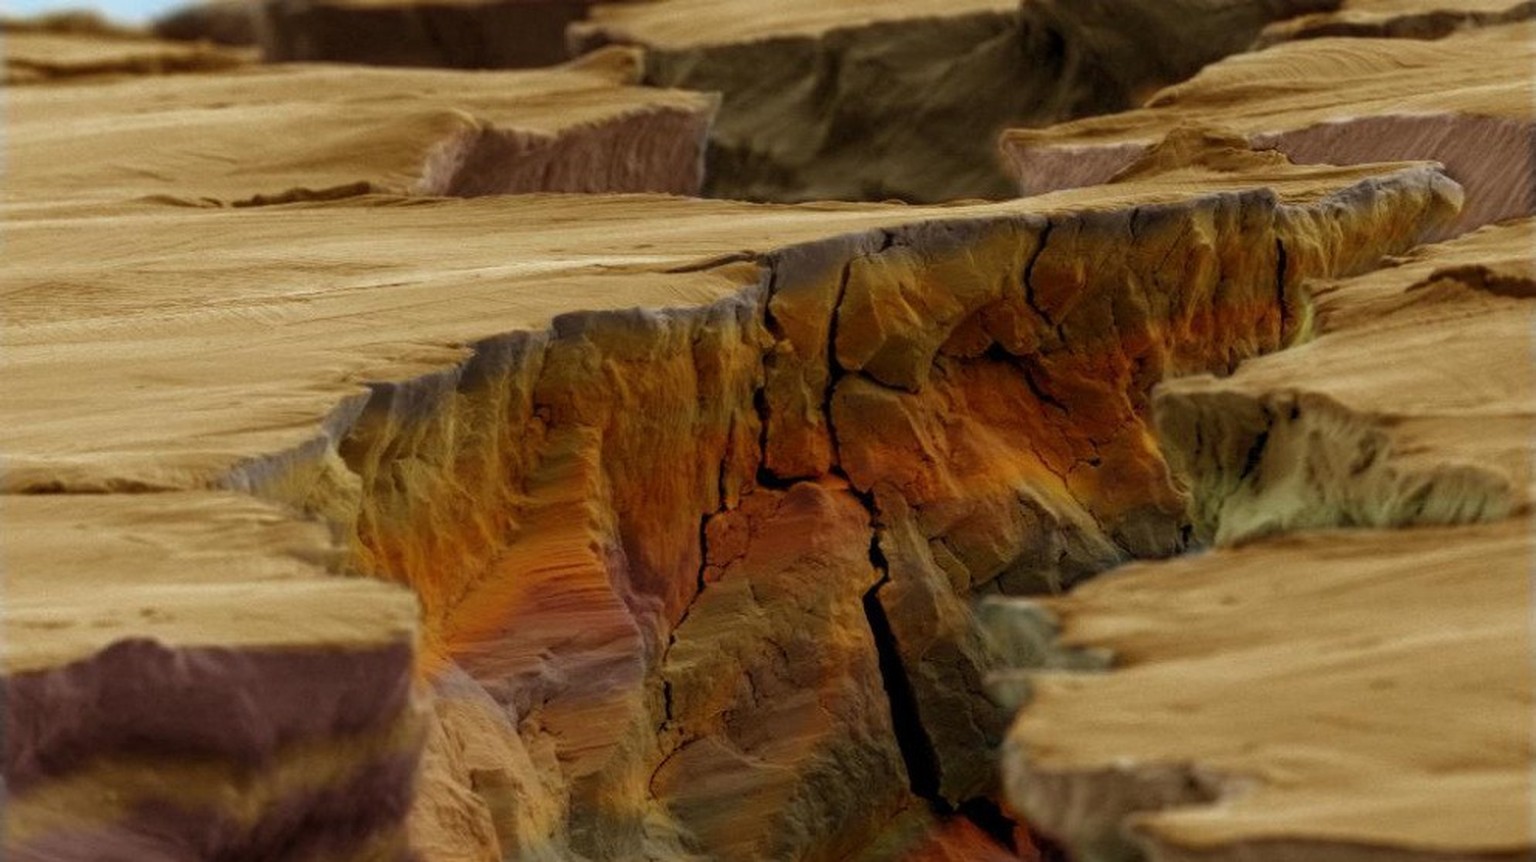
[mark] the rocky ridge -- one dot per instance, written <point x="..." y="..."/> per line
<point x="1288" y="694"/>
<point x="609" y="628"/>
<point x="694" y="500"/>
<point x="877" y="100"/>
<point x="1465" y="101"/>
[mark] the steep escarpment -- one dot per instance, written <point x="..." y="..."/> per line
<point x="693" y="496"/>
<point x="1465" y="101"/>
<point x="456" y="34"/>
<point x="1303" y="690"/>
<point x="878" y="100"/>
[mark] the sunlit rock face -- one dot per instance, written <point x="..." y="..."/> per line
<point x="874" y="100"/>
<point x="604" y="527"/>
<point x="1288" y="694"/>
<point x="1465" y="101"/>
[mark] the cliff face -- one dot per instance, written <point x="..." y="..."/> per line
<point x="1303" y="676"/>
<point x="878" y="100"/>
<point x="1465" y="101"/>
<point x="721" y="548"/>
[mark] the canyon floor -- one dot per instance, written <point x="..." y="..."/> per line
<point x="675" y="430"/>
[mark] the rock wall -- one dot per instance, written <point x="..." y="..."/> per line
<point x="904" y="102"/>
<point x="668" y="559"/>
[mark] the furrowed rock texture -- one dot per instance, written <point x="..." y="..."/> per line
<point x="460" y="34"/>
<point x="186" y="678"/>
<point x="1467" y="101"/>
<point x="692" y="505"/>
<point x="872" y="100"/>
<point x="1399" y="19"/>
<point x="268" y="135"/>
<point x="38" y="52"/>
<point x="1306" y="693"/>
<point x="222" y="22"/>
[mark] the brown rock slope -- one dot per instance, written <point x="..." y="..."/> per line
<point x="1466" y="101"/>
<point x="1409" y="19"/>
<point x="1299" y="693"/>
<point x="693" y="496"/>
<point x="460" y="34"/>
<point x="267" y="134"/>
<point x="872" y="99"/>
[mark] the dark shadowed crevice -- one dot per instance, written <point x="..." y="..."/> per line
<point x="911" y="737"/>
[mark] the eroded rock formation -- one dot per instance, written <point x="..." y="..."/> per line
<point x="1402" y="19"/>
<point x="282" y="133"/>
<point x="458" y="34"/>
<point x="693" y="495"/>
<point x="66" y="48"/>
<point x="873" y="100"/>
<point x="1360" y="693"/>
<point x="1465" y="101"/>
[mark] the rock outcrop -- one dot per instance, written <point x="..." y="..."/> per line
<point x="1466" y="101"/>
<point x="693" y="496"/>
<point x="874" y="100"/>
<point x="458" y="34"/>
<point x="1347" y="676"/>
<point x="185" y="677"/>
<point x="69" y="48"/>
<point x="222" y="22"/>
<point x="282" y="133"/>
<point x="1402" y="19"/>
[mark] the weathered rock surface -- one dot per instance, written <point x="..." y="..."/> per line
<point x="692" y="498"/>
<point x="1403" y="19"/>
<point x="872" y="99"/>
<point x="1300" y="693"/>
<point x="223" y="22"/>
<point x="460" y="34"/>
<point x="67" y="49"/>
<point x="185" y="677"/>
<point x="272" y="134"/>
<point x="1466" y="101"/>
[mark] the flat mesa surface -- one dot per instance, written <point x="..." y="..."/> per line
<point x="1352" y="688"/>
<point x="189" y="341"/>
<point x="267" y="129"/>
<point x="693" y="23"/>
<point x="1410" y="18"/>
<point x="1291" y="86"/>
<point x="184" y="569"/>
<point x="37" y="56"/>
<point x="1382" y="699"/>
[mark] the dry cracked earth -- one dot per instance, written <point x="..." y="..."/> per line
<point x="716" y="430"/>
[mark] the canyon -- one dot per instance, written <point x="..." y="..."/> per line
<point x="585" y="463"/>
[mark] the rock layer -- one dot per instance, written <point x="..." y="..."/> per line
<point x="276" y="134"/>
<point x="1465" y="101"/>
<point x="1400" y="19"/>
<point x="873" y="100"/>
<point x="1308" y="695"/>
<point x="56" y="50"/>
<point x="459" y="34"/>
<point x="636" y="455"/>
